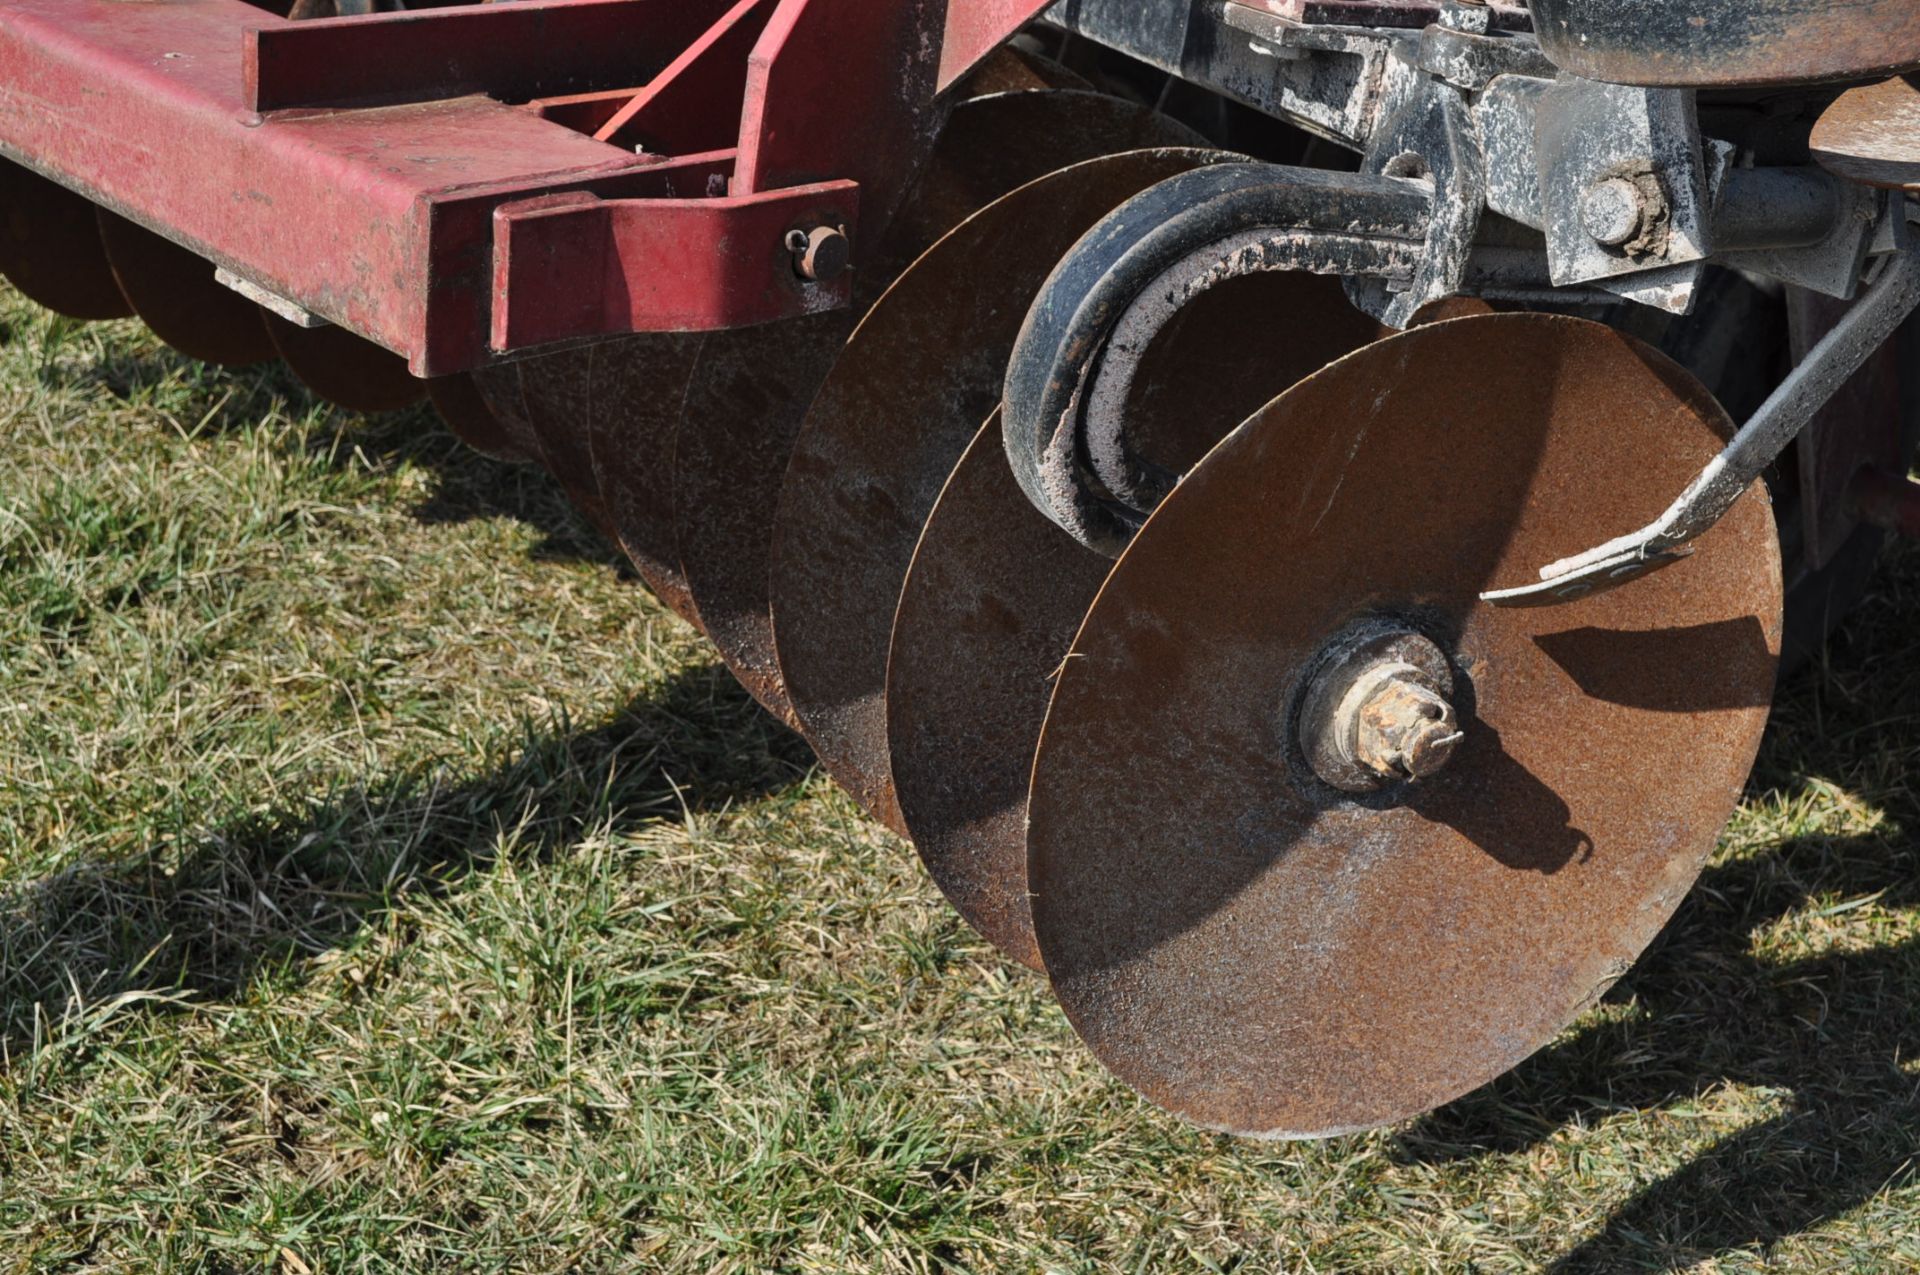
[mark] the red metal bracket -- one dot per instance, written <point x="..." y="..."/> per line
<point x="842" y="89"/>
<point x="976" y="28"/>
<point x="573" y="266"/>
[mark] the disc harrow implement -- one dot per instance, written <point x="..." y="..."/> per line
<point x="1220" y="566"/>
<point x="750" y="390"/>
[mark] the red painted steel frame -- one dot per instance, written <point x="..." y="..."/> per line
<point x="976" y="28"/>
<point x="574" y="266"/>
<point x="383" y="173"/>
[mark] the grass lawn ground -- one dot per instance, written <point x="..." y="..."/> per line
<point x="388" y="884"/>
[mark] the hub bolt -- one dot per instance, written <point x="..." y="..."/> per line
<point x="1402" y="728"/>
<point x="822" y="254"/>
<point x="1614" y="211"/>
<point x="1379" y="710"/>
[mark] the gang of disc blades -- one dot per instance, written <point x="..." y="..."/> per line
<point x="638" y="387"/>
<point x="1261" y="953"/>
<point x="175" y="293"/>
<point x="908" y="393"/>
<point x="999" y="142"/>
<point x="996" y="590"/>
<point x="750" y="389"/>
<point x="464" y="410"/>
<point x="556" y="392"/>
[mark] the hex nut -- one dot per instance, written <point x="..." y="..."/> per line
<point x="822" y="254"/>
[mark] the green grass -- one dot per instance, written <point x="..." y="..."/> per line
<point x="388" y="884"/>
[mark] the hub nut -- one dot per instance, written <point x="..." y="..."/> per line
<point x="1378" y="711"/>
<point x="822" y="254"/>
<point x="1403" y="729"/>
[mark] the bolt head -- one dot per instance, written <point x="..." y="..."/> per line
<point x="822" y="254"/>
<point x="1376" y="713"/>
<point x="1613" y="212"/>
<point x="1405" y="729"/>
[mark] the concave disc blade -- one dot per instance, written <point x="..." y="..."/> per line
<point x="909" y="392"/>
<point x="343" y="368"/>
<point x="1262" y="954"/>
<point x="461" y="405"/>
<point x="999" y="142"/>
<point x="750" y="389"/>
<point x="997" y="590"/>
<point x="50" y="247"/>
<point x="556" y="391"/>
<point x="175" y="293"/>
<point x="1014" y="70"/>
<point x="638" y="387"/>
<point x="498" y="389"/>
<point x="1872" y="135"/>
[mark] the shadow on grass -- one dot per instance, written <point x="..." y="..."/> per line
<point x="203" y="916"/>
<point x="468" y="484"/>
<point x="1802" y="1011"/>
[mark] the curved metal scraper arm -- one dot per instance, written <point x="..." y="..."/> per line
<point x="1706" y="500"/>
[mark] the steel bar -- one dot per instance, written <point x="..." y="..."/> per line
<point x="574" y="266"/>
<point x="1828" y="366"/>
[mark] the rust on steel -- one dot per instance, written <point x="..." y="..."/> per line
<point x="1729" y="43"/>
<point x="637" y="386"/>
<point x="922" y="371"/>
<point x="996" y="591"/>
<point x="1872" y="135"/>
<point x="463" y="410"/>
<point x="1265" y="954"/>
<point x="750" y="389"/>
<point x="498" y="389"/>
<point x="556" y="391"/>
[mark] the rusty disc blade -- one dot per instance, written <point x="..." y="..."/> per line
<point x="1260" y="953"/>
<point x="1010" y="69"/>
<point x="556" y="392"/>
<point x="750" y="389"/>
<point x="498" y="389"/>
<point x="908" y="393"/>
<point x="638" y="386"/>
<point x="1001" y="141"/>
<point x="50" y="247"/>
<point x="343" y="368"/>
<point x="175" y="293"/>
<point x="1872" y="135"/>
<point x="464" y="409"/>
<point x="997" y="591"/>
